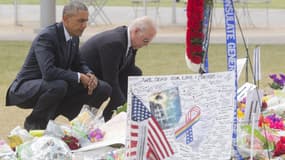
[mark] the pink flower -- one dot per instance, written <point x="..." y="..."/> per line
<point x="96" y="135"/>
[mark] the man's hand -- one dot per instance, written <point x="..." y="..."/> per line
<point x="84" y="79"/>
<point x="89" y="81"/>
<point x="92" y="84"/>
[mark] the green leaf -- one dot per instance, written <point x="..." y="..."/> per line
<point x="120" y="109"/>
<point x="257" y="134"/>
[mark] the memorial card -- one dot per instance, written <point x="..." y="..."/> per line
<point x="186" y="117"/>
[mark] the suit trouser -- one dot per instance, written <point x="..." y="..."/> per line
<point x="134" y="71"/>
<point x="117" y="100"/>
<point x="60" y="98"/>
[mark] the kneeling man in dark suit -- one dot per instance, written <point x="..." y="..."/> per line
<point x="111" y="55"/>
<point x="54" y="80"/>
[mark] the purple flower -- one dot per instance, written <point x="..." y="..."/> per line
<point x="282" y="76"/>
<point x="278" y="81"/>
<point x="243" y="100"/>
<point x="273" y="76"/>
<point x="282" y="81"/>
<point x="96" y="135"/>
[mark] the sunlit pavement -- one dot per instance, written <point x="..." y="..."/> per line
<point x="259" y="26"/>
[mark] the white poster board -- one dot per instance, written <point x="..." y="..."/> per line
<point x="195" y="113"/>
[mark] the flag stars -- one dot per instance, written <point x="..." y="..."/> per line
<point x="158" y="145"/>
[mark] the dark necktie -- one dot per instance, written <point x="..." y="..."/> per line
<point x="69" y="47"/>
<point x="128" y="58"/>
<point x="68" y="53"/>
<point x="130" y="55"/>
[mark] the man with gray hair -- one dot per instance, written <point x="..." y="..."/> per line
<point x="111" y="56"/>
<point x="54" y="80"/>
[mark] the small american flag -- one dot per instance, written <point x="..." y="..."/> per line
<point x="157" y="145"/>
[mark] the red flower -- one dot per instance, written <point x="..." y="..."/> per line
<point x="71" y="141"/>
<point x="280" y="147"/>
<point x="264" y="105"/>
<point x="261" y="121"/>
<point x="282" y="139"/>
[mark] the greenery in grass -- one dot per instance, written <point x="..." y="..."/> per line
<point x="155" y="59"/>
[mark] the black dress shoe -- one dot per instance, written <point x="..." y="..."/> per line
<point x="34" y="125"/>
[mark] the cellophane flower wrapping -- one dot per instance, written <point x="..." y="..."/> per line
<point x="6" y="153"/>
<point x="18" y="136"/>
<point x="86" y="126"/>
<point x="81" y="124"/>
<point x="44" y="148"/>
<point x="263" y="141"/>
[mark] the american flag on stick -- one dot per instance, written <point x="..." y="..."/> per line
<point x="146" y="131"/>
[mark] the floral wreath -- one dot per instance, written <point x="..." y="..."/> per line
<point x="195" y="33"/>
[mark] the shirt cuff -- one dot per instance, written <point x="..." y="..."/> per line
<point x="78" y="77"/>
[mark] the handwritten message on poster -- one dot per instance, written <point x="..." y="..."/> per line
<point x="195" y="113"/>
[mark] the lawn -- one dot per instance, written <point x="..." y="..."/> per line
<point x="156" y="59"/>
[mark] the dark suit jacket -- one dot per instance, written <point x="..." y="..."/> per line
<point x="105" y="53"/>
<point x="48" y="60"/>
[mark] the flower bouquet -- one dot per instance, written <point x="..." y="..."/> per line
<point x="276" y="104"/>
<point x="262" y="143"/>
<point x="278" y="81"/>
<point x="87" y="126"/>
<point x="242" y="105"/>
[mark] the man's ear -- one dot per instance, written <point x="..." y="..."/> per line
<point x="65" y="18"/>
<point x="137" y="30"/>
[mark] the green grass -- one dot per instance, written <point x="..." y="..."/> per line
<point x="156" y="59"/>
<point x="277" y="4"/>
<point x="160" y="59"/>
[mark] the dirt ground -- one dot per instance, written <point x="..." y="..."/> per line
<point x="11" y="117"/>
